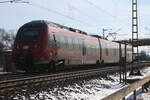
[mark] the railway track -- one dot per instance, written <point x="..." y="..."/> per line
<point x="9" y="85"/>
<point x="19" y="75"/>
<point x="25" y="81"/>
<point x="10" y="76"/>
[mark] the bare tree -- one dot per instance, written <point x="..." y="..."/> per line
<point x="144" y="56"/>
<point x="7" y="38"/>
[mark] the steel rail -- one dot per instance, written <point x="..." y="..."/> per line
<point x="13" y="84"/>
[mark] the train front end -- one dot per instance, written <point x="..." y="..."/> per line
<point x="29" y="45"/>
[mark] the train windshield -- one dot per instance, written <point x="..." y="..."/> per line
<point x="28" y="35"/>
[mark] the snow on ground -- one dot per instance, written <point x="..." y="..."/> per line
<point x="146" y="71"/>
<point x="144" y="96"/>
<point x="92" y="89"/>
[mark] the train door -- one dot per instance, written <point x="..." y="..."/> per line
<point x="100" y="51"/>
<point x="83" y="52"/>
<point x="54" y="41"/>
<point x="121" y="51"/>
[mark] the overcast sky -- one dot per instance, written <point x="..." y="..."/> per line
<point x="88" y="15"/>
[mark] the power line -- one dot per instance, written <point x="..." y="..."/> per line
<point x="5" y="1"/>
<point x="14" y="1"/>
<point x="99" y="8"/>
<point x="62" y="14"/>
<point x="89" y="17"/>
<point x="48" y="9"/>
<point x="9" y="1"/>
<point x="106" y="12"/>
<point x="58" y="13"/>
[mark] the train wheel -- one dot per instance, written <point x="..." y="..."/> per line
<point x="52" y="67"/>
<point x="102" y="62"/>
<point x="98" y="62"/>
<point x="62" y="65"/>
<point x="30" y="70"/>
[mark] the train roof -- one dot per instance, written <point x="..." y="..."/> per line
<point x="45" y="22"/>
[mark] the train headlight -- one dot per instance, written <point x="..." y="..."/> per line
<point x="25" y="47"/>
<point x="36" y="45"/>
<point x="17" y="46"/>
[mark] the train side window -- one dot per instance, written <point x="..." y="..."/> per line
<point x="70" y="43"/>
<point x="54" y="37"/>
<point x="87" y="50"/>
<point x="95" y="50"/>
<point x="115" y="52"/>
<point x="50" y="37"/>
<point x="91" y="49"/>
<point x="79" y="43"/>
<point x="66" y="41"/>
<point x="51" y="42"/>
<point x="57" y="38"/>
<point x="84" y="48"/>
<point x="62" y="42"/>
<point x="92" y="52"/>
<point x="58" y="41"/>
<point x="107" y="52"/>
<point x="73" y="43"/>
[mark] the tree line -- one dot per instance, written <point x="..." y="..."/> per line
<point x="6" y="39"/>
<point x="143" y="56"/>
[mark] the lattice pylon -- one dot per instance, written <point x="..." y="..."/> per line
<point x="135" y="41"/>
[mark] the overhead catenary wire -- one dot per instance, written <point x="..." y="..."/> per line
<point x="61" y="14"/>
<point x="67" y="16"/>
<point x="58" y="13"/>
<point x="45" y="8"/>
<point x="103" y="10"/>
<point x="120" y="21"/>
<point x="14" y="1"/>
<point x="75" y="8"/>
<point x="8" y="1"/>
<point x="99" y="8"/>
<point x="80" y="11"/>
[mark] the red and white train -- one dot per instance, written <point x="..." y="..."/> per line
<point x="47" y="43"/>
